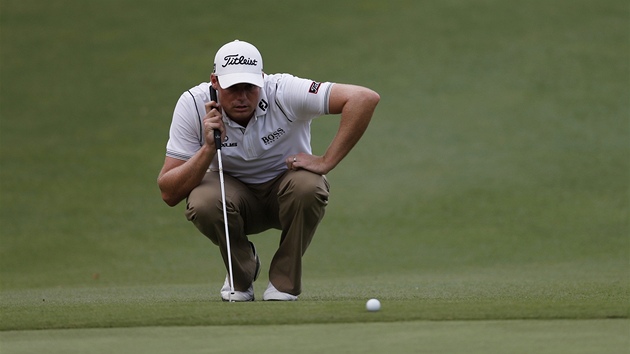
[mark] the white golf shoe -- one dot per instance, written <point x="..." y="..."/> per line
<point x="236" y="296"/>
<point x="273" y="294"/>
<point x="241" y="296"/>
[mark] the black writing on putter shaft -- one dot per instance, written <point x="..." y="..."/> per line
<point x="234" y="59"/>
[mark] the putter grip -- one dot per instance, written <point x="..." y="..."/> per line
<point x="217" y="139"/>
<point x="217" y="133"/>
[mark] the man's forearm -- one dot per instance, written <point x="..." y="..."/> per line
<point x="355" y="117"/>
<point x="177" y="182"/>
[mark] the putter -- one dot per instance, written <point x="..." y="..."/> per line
<point x="217" y="143"/>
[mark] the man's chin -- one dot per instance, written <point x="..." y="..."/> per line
<point x="240" y="115"/>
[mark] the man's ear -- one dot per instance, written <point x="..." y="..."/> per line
<point x="214" y="81"/>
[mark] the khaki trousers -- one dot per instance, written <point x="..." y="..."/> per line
<point x="293" y="202"/>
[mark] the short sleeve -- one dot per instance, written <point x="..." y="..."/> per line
<point x="185" y="135"/>
<point x="303" y="99"/>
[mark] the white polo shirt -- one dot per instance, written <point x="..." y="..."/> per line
<point x="281" y="127"/>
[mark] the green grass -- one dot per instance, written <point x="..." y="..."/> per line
<point x="591" y="336"/>
<point x="467" y="296"/>
<point x="492" y="185"/>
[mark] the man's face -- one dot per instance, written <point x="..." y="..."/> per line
<point x="238" y="101"/>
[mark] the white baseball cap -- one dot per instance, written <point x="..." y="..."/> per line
<point x="238" y="62"/>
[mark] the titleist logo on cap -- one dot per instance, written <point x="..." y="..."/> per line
<point x="235" y="59"/>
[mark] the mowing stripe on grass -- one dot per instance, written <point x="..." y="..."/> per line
<point x="560" y="336"/>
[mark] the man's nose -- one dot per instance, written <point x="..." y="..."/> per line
<point x="241" y="93"/>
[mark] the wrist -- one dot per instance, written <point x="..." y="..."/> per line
<point x="208" y="151"/>
<point x="328" y="163"/>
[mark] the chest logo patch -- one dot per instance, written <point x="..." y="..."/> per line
<point x="271" y="138"/>
<point x="263" y="105"/>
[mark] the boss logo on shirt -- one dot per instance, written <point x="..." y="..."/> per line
<point x="271" y="138"/>
<point x="314" y="87"/>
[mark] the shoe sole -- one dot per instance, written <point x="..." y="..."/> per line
<point x="224" y="300"/>
<point x="278" y="300"/>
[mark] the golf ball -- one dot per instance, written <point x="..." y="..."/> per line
<point x="373" y="305"/>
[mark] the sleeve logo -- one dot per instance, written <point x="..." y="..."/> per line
<point x="314" y="87"/>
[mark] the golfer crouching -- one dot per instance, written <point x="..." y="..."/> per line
<point x="271" y="178"/>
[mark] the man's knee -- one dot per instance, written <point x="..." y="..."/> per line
<point x="305" y="186"/>
<point x="204" y="210"/>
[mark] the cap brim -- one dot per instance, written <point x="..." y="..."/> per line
<point x="227" y="80"/>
